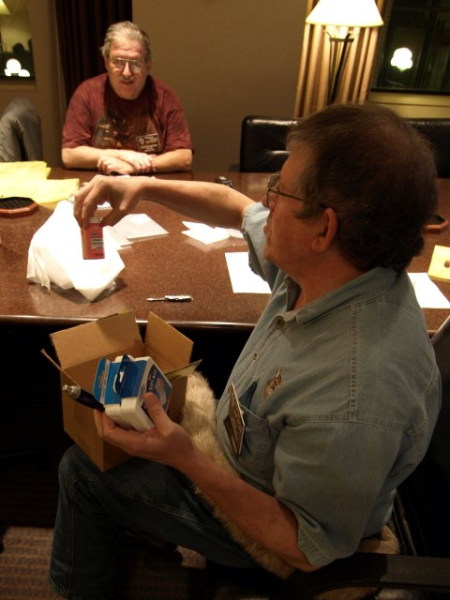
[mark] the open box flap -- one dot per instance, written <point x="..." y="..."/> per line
<point x="104" y="337"/>
<point x="183" y="371"/>
<point x="169" y="348"/>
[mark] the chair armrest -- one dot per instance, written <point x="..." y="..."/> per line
<point x="371" y="570"/>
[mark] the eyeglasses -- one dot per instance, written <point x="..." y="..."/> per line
<point x="272" y="188"/>
<point x="119" y="65"/>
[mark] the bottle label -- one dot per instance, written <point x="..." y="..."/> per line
<point x="92" y="239"/>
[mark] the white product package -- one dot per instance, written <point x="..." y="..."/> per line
<point x="55" y="257"/>
<point x="120" y="385"/>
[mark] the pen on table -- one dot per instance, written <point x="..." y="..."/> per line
<point x="82" y="396"/>
<point x="170" y="298"/>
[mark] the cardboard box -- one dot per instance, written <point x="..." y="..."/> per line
<point x="79" y="349"/>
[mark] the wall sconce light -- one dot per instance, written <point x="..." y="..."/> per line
<point x="14" y="69"/>
<point x="340" y="17"/>
<point x="402" y="59"/>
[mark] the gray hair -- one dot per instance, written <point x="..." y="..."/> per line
<point x="129" y="31"/>
<point x="377" y="173"/>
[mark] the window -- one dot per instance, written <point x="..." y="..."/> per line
<point x="414" y="48"/>
<point x="16" y="55"/>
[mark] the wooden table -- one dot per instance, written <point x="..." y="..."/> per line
<point x="169" y="264"/>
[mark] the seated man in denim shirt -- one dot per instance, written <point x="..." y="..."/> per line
<point x="337" y="385"/>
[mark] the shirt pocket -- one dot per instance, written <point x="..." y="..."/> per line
<point x="257" y="446"/>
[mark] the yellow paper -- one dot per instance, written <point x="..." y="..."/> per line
<point x="29" y="179"/>
<point x="32" y="169"/>
<point x="42" y="191"/>
<point x="440" y="263"/>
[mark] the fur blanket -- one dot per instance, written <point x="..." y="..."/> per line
<point x="199" y="421"/>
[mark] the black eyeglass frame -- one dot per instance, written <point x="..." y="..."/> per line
<point x="273" y="180"/>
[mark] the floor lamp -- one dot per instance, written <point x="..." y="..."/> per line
<point x="340" y="17"/>
<point x="3" y="11"/>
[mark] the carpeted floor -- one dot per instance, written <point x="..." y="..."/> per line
<point x="24" y="566"/>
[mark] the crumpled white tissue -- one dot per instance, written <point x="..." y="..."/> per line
<point x="55" y="256"/>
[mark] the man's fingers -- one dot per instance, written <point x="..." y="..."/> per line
<point x="155" y="411"/>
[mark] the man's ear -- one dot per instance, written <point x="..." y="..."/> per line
<point x="327" y="229"/>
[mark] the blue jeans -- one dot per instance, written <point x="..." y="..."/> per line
<point x="95" y="509"/>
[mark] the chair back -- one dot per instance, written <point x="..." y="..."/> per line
<point x="263" y="143"/>
<point x="437" y="132"/>
<point x="426" y="492"/>
<point x="20" y="132"/>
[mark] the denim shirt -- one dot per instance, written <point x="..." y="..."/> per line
<point x="339" y="401"/>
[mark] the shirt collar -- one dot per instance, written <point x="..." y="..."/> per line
<point x="361" y="289"/>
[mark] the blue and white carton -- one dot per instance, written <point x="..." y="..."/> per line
<point x="121" y="384"/>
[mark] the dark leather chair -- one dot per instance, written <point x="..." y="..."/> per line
<point x="437" y="132"/>
<point x="20" y="132"/>
<point x="263" y="143"/>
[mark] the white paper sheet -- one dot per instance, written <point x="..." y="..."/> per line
<point x="208" y="235"/>
<point x="243" y="280"/>
<point x="427" y="293"/>
<point x="138" y="226"/>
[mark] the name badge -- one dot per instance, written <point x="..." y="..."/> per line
<point x="234" y="422"/>
<point x="148" y="143"/>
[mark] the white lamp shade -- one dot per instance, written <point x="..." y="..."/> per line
<point x="3" y="8"/>
<point x="345" y="13"/>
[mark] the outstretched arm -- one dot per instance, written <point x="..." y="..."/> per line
<point x="211" y="203"/>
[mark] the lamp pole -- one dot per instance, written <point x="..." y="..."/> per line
<point x="339" y="17"/>
<point x="339" y="49"/>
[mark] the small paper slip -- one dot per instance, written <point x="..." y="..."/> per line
<point x="243" y="280"/>
<point x="427" y="293"/>
<point x="440" y="263"/>
<point x="117" y="239"/>
<point x="140" y="226"/>
<point x="235" y="233"/>
<point x="208" y="235"/>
